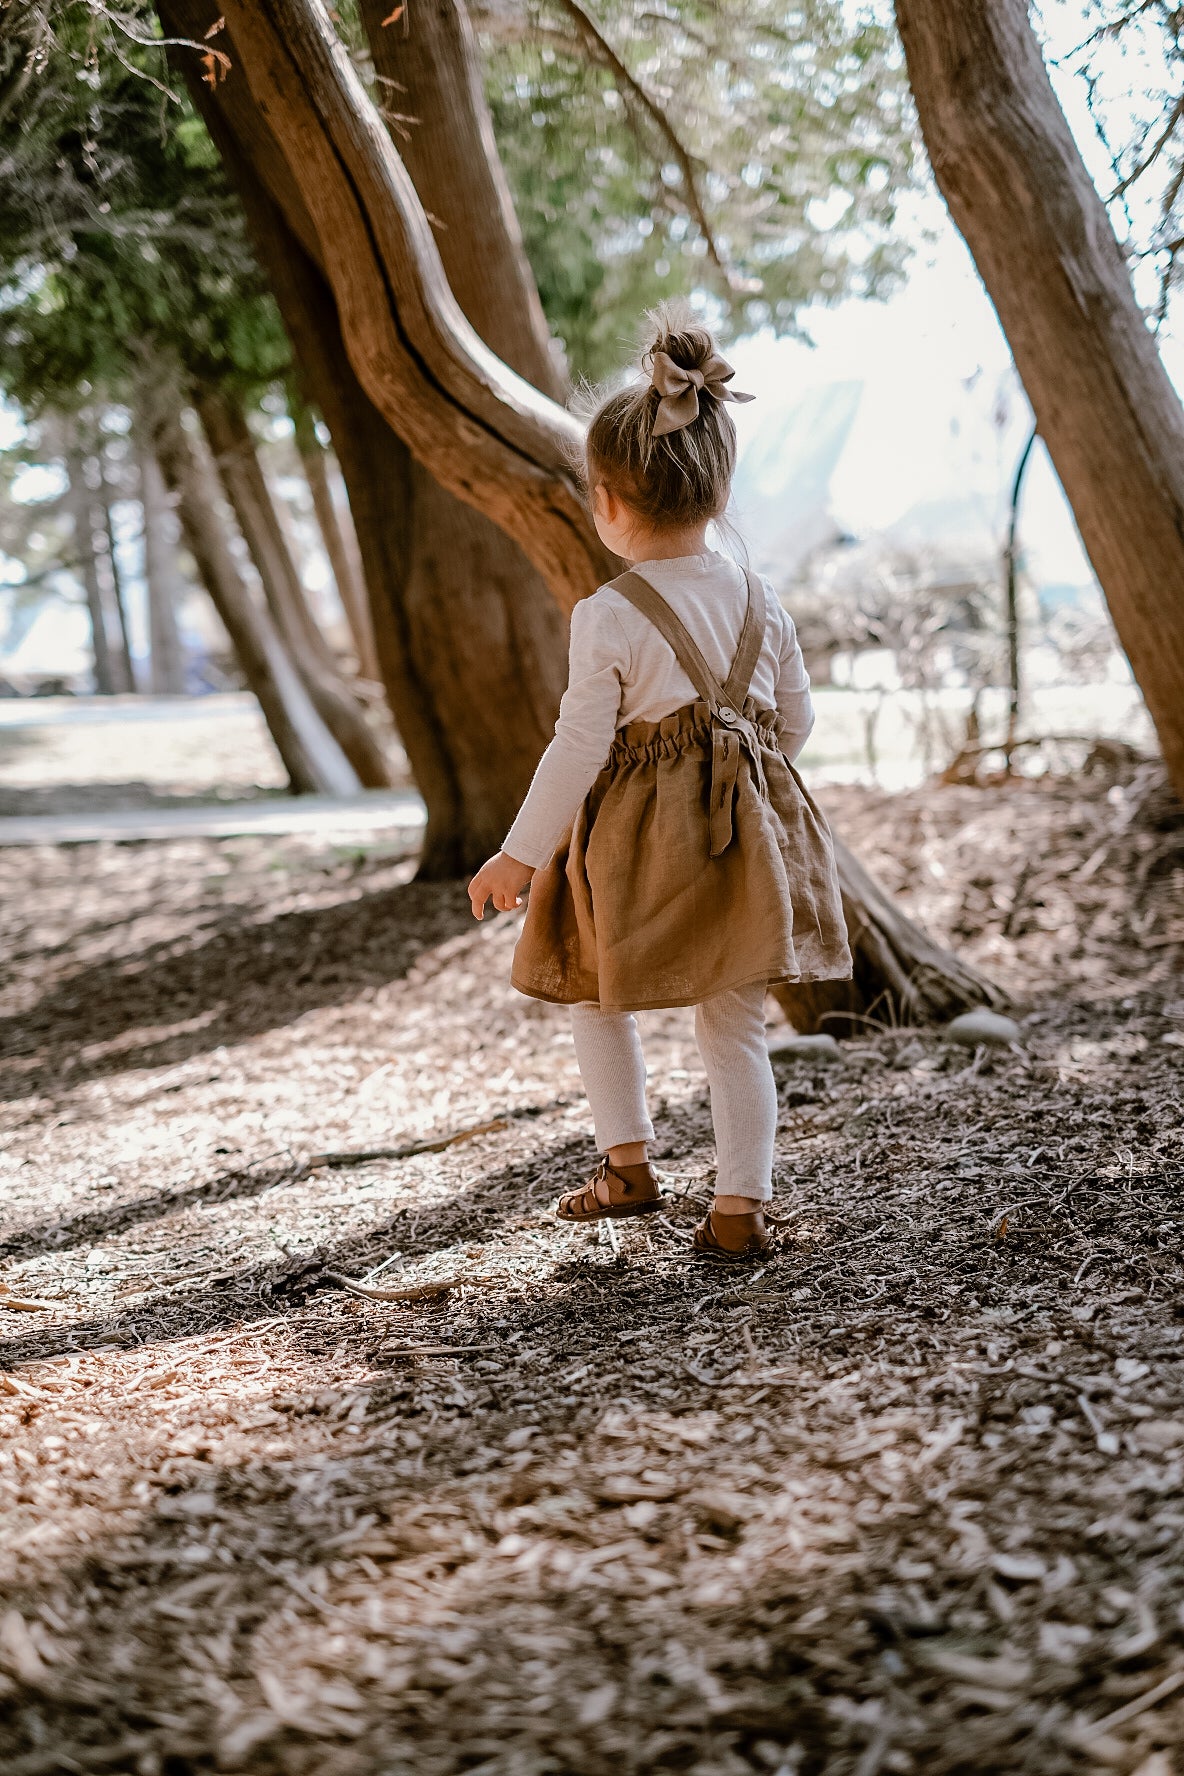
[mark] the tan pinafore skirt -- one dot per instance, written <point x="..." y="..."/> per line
<point x="697" y="863"/>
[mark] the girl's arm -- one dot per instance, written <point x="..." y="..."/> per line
<point x="794" y="703"/>
<point x="598" y="655"/>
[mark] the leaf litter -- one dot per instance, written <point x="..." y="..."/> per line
<point x="906" y="1498"/>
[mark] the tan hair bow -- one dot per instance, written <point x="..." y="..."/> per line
<point x="679" y="390"/>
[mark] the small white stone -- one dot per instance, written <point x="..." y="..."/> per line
<point x="982" y="1025"/>
<point x="191" y="1504"/>
<point x="792" y="1047"/>
<point x="1023" y="1568"/>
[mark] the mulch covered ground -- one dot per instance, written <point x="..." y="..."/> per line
<point x="908" y="1498"/>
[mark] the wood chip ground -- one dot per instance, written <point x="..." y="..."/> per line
<point x="910" y="1498"/>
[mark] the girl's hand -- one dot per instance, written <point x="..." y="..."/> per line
<point x="501" y="880"/>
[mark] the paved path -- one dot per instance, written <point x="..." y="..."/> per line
<point x="396" y="813"/>
<point x="90" y="712"/>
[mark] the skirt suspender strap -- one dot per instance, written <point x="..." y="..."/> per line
<point x="752" y="638"/>
<point x="730" y="696"/>
<point x="731" y="733"/>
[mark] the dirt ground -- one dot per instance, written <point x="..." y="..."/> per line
<point x="908" y="1498"/>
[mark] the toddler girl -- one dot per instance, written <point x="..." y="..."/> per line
<point x="676" y="858"/>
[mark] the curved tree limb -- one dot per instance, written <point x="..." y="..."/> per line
<point x="483" y="432"/>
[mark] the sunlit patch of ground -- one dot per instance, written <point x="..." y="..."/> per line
<point x="92" y="755"/>
<point x="906" y="1498"/>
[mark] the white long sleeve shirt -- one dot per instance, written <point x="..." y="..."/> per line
<point x="621" y="670"/>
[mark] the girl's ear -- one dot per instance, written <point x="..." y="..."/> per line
<point x="612" y="509"/>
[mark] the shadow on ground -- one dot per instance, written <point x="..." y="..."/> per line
<point x="241" y="979"/>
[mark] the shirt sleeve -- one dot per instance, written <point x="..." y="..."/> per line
<point x="598" y="659"/>
<point x="794" y="703"/>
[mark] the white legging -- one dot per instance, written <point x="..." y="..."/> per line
<point x="730" y="1031"/>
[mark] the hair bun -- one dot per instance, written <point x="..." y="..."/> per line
<point x="685" y="341"/>
<point x="689" y="349"/>
<point x="666" y="444"/>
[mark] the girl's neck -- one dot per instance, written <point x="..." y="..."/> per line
<point x="668" y="545"/>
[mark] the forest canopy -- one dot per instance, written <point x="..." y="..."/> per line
<point x="759" y="165"/>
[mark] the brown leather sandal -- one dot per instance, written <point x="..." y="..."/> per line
<point x="636" y="1195"/>
<point x="739" y="1237"/>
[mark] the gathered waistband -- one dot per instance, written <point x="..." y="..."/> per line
<point x="686" y="730"/>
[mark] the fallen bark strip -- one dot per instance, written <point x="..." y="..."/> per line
<point x="363" y="1156"/>
<point x="1131" y="1710"/>
<point x="437" y="1350"/>
<point x="417" y="1292"/>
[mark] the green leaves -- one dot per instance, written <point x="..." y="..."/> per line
<point x="118" y="231"/>
<point x="781" y="112"/>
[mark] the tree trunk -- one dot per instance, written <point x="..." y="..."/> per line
<point x="314" y="761"/>
<point x="471" y="648"/>
<point x="1016" y="186"/>
<point x="510" y="652"/>
<point x="338" y="536"/>
<point x="465" y="693"/>
<point x="233" y="446"/>
<point x="376" y="465"/>
<point x="107" y="496"/>
<point x="165" y="654"/>
<point x="428" y="61"/>
<point x="901" y="976"/>
<point x="305" y="128"/>
<point x="82" y="515"/>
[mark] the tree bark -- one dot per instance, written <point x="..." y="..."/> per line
<point x="314" y="761"/>
<point x="1017" y="188"/>
<point x="82" y="514"/>
<point x="166" y="660"/>
<point x="498" y="675"/>
<point x="427" y="64"/>
<point x="338" y="536"/>
<point x="233" y="446"/>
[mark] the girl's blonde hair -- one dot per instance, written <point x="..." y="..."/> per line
<point x="683" y="477"/>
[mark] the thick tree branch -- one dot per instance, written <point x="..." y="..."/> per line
<point x="482" y="432"/>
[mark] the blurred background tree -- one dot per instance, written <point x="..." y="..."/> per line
<point x="127" y="281"/>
